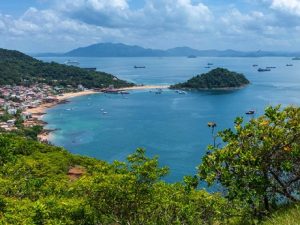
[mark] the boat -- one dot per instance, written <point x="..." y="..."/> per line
<point x="192" y="56"/>
<point x="250" y="112"/>
<point x="90" y="68"/>
<point x="182" y="92"/>
<point x="210" y="64"/>
<point x="211" y="124"/>
<point x="296" y="58"/>
<point x="72" y="63"/>
<point x="207" y="67"/>
<point x="255" y="65"/>
<point x="271" y="67"/>
<point x="104" y="113"/>
<point x="289" y="64"/>
<point x="139" y="67"/>
<point x="124" y="92"/>
<point x="263" y="70"/>
<point x="111" y="91"/>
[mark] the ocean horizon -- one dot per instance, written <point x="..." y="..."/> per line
<point x="170" y="125"/>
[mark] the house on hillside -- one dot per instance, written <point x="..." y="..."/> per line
<point x="12" y="111"/>
<point x="26" y="115"/>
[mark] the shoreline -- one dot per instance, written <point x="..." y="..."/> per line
<point x="39" y="111"/>
<point x="211" y="89"/>
<point x="66" y="96"/>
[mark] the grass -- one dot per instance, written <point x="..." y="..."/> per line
<point x="289" y="215"/>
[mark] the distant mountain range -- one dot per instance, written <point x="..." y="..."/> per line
<point x="122" y="50"/>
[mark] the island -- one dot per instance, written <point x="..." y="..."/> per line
<point x="216" y="79"/>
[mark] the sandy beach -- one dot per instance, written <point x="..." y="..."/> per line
<point x="145" y="87"/>
<point x="43" y="107"/>
<point x="38" y="112"/>
<point x="67" y="96"/>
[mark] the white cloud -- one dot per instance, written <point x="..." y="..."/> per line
<point x="289" y="6"/>
<point x="180" y="14"/>
<point x="157" y="14"/>
<point x="158" y="24"/>
<point x="49" y="30"/>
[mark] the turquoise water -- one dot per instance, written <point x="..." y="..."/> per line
<point x="169" y="125"/>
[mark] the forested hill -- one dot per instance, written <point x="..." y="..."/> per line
<point x="18" y="68"/>
<point x="218" y="78"/>
<point x="257" y="167"/>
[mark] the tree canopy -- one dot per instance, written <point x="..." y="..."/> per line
<point x="37" y="187"/>
<point x="256" y="166"/>
<point x="17" y="68"/>
<point x="259" y="162"/>
<point x="218" y="78"/>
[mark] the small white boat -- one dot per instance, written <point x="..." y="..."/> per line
<point x="104" y="113"/>
<point x="68" y="109"/>
<point x="72" y="63"/>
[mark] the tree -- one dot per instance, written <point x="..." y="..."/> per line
<point x="259" y="161"/>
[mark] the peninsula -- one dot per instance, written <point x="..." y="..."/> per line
<point x="216" y="79"/>
<point x="17" y="68"/>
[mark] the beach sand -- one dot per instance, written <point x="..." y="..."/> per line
<point x="145" y="87"/>
<point x="67" y="96"/>
<point x="43" y="107"/>
<point x="38" y="112"/>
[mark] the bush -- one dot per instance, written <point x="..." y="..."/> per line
<point x="259" y="162"/>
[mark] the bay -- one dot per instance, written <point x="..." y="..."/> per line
<point x="169" y="125"/>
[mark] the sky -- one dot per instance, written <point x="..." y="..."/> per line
<point x="36" y="26"/>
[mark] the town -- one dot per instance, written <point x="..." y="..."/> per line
<point x="16" y="102"/>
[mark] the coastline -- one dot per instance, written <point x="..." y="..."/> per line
<point x="211" y="89"/>
<point x="39" y="111"/>
<point x="144" y="87"/>
<point x="66" y="96"/>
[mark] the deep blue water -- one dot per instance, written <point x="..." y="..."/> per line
<point x="169" y="125"/>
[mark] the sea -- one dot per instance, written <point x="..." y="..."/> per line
<point x="170" y="125"/>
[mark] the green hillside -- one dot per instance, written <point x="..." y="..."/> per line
<point x="42" y="184"/>
<point x="288" y="215"/>
<point x="257" y="166"/>
<point x="218" y="78"/>
<point x="18" y="68"/>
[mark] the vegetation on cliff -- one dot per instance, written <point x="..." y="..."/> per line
<point x="218" y="78"/>
<point x="258" y="164"/>
<point x="17" y="68"/>
<point x="43" y="184"/>
<point x="257" y="167"/>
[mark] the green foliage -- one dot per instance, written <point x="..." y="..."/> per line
<point x="28" y="132"/>
<point x="287" y="215"/>
<point x="218" y="78"/>
<point x="259" y="164"/>
<point x="20" y="69"/>
<point x="35" y="189"/>
<point x="258" y="167"/>
<point x="5" y="117"/>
